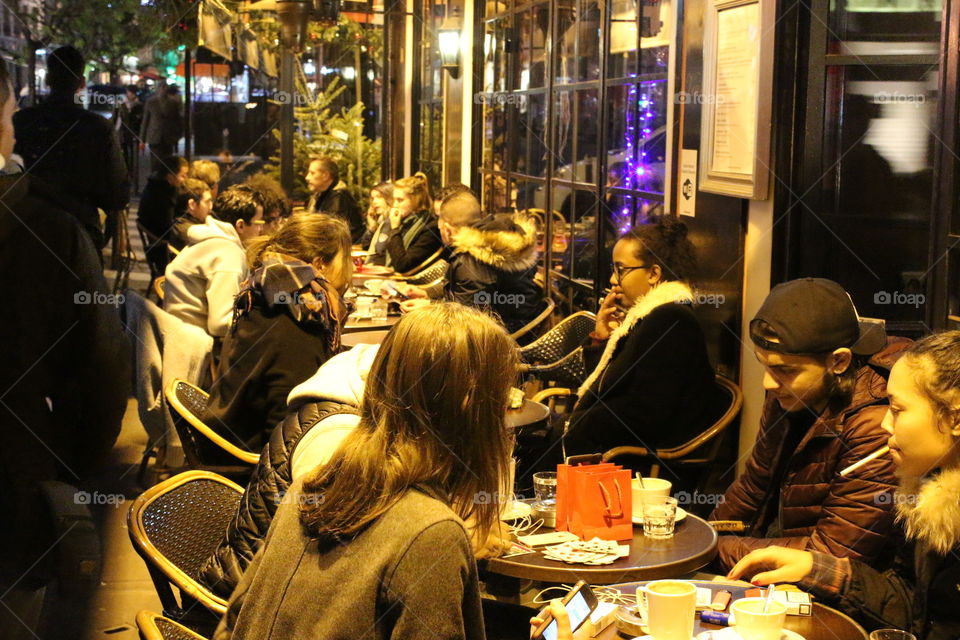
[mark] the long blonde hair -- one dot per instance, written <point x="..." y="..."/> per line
<point x="417" y="188"/>
<point x="433" y="414"/>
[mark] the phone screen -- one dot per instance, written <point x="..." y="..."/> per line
<point x="578" y="609"/>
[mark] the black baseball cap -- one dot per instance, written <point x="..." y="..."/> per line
<point x="814" y="316"/>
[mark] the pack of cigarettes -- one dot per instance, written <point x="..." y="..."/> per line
<point x="798" y="603"/>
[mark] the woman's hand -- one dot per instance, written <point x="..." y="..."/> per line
<point x="373" y="219"/>
<point x="411" y="291"/>
<point x="410" y="305"/>
<point x="559" y="612"/>
<point x="609" y="316"/>
<point x="776" y="564"/>
<point x="395" y="218"/>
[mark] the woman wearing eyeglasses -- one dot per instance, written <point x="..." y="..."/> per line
<point x="651" y="383"/>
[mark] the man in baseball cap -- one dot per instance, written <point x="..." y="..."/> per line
<point x="825" y="375"/>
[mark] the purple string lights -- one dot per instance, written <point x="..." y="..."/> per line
<point x="639" y="116"/>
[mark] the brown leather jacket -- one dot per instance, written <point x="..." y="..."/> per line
<point x="819" y="510"/>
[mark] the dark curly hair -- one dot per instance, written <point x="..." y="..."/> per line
<point x="239" y="202"/>
<point x="664" y="242"/>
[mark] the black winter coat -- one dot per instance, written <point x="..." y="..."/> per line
<point x="66" y="362"/>
<point x="657" y="390"/>
<point x="493" y="266"/>
<point x="405" y="257"/>
<point x="337" y="201"/>
<point x="269" y="483"/>
<point x="264" y="356"/>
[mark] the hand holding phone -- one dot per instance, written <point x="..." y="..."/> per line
<point x="561" y="618"/>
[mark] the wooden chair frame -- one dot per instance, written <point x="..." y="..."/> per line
<point x="247" y="457"/>
<point x="158" y="283"/>
<point x="162" y="571"/>
<point x="536" y="322"/>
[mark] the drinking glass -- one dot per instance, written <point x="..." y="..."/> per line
<point x="545" y="486"/>
<point x="378" y="310"/>
<point x="891" y="634"/>
<point x="659" y="516"/>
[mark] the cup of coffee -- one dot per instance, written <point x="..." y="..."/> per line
<point x="891" y="634"/>
<point x="753" y="624"/>
<point x="671" y="607"/>
<point x="651" y="488"/>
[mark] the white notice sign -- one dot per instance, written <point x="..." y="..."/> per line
<point x="687" y="185"/>
<point x="735" y="115"/>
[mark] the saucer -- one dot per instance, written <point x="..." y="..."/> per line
<point x="376" y="270"/>
<point x="681" y="514"/>
<point x="729" y="633"/>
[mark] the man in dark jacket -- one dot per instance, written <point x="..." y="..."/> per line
<point x="492" y="263"/>
<point x="162" y="125"/>
<point x="73" y="148"/>
<point x="822" y="414"/>
<point x="65" y="378"/>
<point x="330" y="196"/>
<point x="158" y="209"/>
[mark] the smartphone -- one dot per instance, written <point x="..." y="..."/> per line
<point x="392" y="289"/>
<point x="580" y="603"/>
<point x="586" y="458"/>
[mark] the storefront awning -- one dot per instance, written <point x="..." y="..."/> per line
<point x="215" y="24"/>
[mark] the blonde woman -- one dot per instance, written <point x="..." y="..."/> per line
<point x="373" y="543"/>
<point x="414" y="235"/>
<point x="919" y="591"/>
<point x="287" y="322"/>
<point x="378" y="223"/>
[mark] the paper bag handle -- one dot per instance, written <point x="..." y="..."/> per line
<point x="608" y="515"/>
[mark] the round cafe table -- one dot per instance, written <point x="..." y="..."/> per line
<point x="693" y="545"/>
<point x="824" y="623"/>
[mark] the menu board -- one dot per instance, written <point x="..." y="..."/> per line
<point x="737" y="91"/>
<point x="735" y="110"/>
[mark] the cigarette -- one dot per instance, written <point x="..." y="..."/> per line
<point x="856" y="465"/>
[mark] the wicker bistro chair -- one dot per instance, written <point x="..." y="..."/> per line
<point x="203" y="447"/>
<point x="423" y="265"/>
<point x="175" y="526"/>
<point x="699" y="452"/>
<point x="569" y="371"/>
<point x="561" y="341"/>
<point x="158" y="287"/>
<point x="429" y="276"/>
<point x="153" y="626"/>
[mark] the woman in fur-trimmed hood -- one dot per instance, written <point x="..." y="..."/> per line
<point x="492" y="266"/>
<point x="651" y="383"/>
<point x="921" y="592"/>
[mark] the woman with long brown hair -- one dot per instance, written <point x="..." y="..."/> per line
<point x="414" y="235"/>
<point x="373" y="543"/>
<point x="286" y="323"/>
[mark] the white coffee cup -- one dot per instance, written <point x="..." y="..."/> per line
<point x="753" y="624"/>
<point x="652" y="488"/>
<point x="671" y="608"/>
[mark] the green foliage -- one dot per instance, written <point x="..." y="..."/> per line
<point x="323" y="132"/>
<point x="104" y="31"/>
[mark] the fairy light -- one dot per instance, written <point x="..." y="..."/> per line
<point x="640" y="115"/>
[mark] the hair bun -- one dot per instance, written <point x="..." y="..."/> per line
<point x="672" y="229"/>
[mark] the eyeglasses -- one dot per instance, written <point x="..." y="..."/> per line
<point x="619" y="271"/>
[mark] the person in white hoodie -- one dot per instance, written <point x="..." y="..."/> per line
<point x="203" y="280"/>
<point x="322" y="411"/>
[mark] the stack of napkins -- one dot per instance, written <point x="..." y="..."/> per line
<point x="593" y="552"/>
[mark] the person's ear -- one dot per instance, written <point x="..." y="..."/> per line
<point x="656" y="275"/>
<point x="840" y="360"/>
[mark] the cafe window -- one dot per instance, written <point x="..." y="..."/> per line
<point x="429" y="137"/>
<point x="573" y="115"/>
<point x="866" y="155"/>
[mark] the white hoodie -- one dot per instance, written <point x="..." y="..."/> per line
<point x="342" y="378"/>
<point x="203" y="281"/>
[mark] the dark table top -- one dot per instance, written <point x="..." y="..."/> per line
<point x="693" y="545"/>
<point x="354" y="338"/>
<point x="824" y="624"/>
<point x="530" y="412"/>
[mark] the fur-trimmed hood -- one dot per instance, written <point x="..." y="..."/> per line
<point x="930" y="510"/>
<point x="507" y="244"/>
<point x="670" y="292"/>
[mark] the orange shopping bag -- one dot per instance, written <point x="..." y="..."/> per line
<point x="597" y="502"/>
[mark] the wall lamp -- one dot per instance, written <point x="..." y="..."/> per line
<point x="448" y="37"/>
